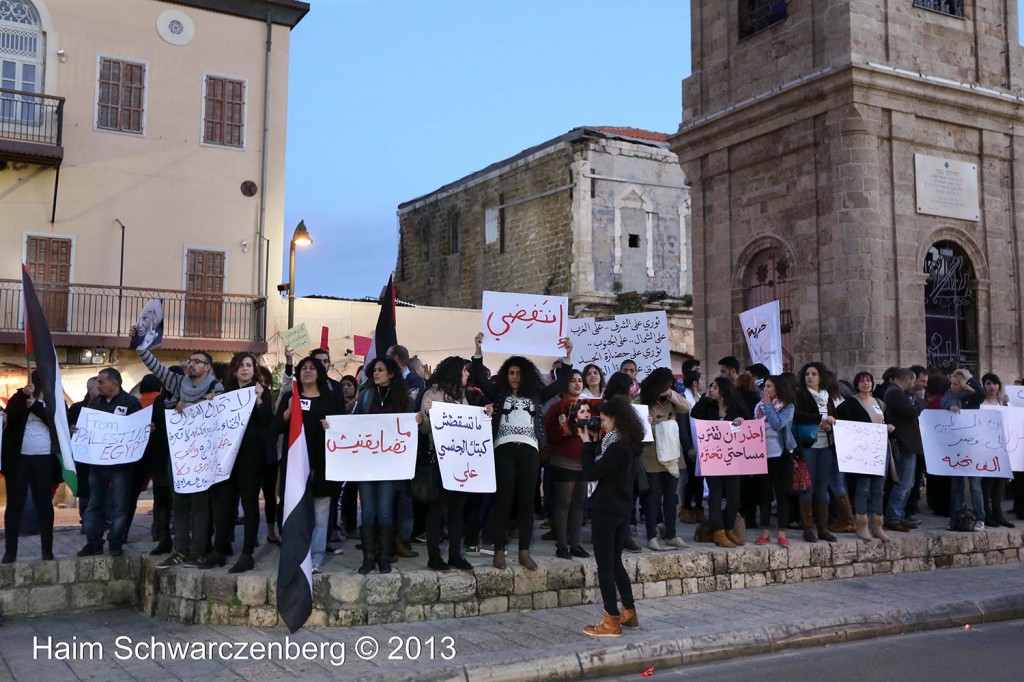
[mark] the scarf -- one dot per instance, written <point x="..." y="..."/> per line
<point x="759" y="410"/>
<point x="609" y="438"/>
<point x="820" y="397"/>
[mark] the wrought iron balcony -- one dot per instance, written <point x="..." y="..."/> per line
<point x="31" y="127"/>
<point x="101" y="315"/>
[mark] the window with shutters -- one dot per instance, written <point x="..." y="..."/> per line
<point x="49" y="264"/>
<point x="204" y="293"/>
<point x="224" y="112"/>
<point x="121" y="96"/>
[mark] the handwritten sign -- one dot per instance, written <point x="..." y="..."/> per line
<point x="966" y="443"/>
<point x="861" y="447"/>
<point x="641" y="337"/>
<point x="1013" y="434"/>
<point x="644" y="413"/>
<point x="762" y="330"/>
<point x="727" y="450"/>
<point x="1016" y="395"/>
<point x="204" y="439"/>
<point x="465" y="451"/>
<point x="371" y="447"/>
<point x="296" y="337"/>
<point x="105" y="439"/>
<point x="524" y="323"/>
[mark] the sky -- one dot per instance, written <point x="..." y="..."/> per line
<point x="391" y="99"/>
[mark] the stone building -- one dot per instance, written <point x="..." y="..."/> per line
<point x="600" y="215"/>
<point x="858" y="160"/>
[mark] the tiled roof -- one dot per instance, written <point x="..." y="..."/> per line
<point x="635" y="133"/>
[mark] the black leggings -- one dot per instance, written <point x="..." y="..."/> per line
<point x="270" y="494"/>
<point x="729" y="487"/>
<point x="993" y="490"/>
<point x="568" y="512"/>
<point x="608" y="531"/>
<point x="245" y="480"/>
<point x="25" y="472"/>
<point x="161" y="513"/>
<point x="515" y="467"/>
<point x="778" y="480"/>
<point x="455" y="503"/>
<point x="693" y="490"/>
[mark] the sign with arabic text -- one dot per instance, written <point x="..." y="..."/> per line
<point x="102" y="438"/>
<point x="640" y="337"/>
<point x="296" y="337"/>
<point x="1013" y="433"/>
<point x="371" y="447"/>
<point x="204" y="439"/>
<point x="1016" y="395"/>
<point x="464" y="447"/>
<point x="524" y="324"/>
<point x="965" y="443"/>
<point x="762" y="330"/>
<point x="861" y="447"/>
<point x="727" y="450"/>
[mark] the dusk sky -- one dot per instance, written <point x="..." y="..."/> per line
<point x="391" y="99"/>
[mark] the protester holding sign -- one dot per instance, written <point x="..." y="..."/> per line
<point x="964" y="393"/>
<point x="994" y="489"/>
<point x="865" y="407"/>
<point x="517" y="393"/>
<point x="317" y="401"/>
<point x="776" y="408"/>
<point x="816" y="399"/>
<point x="692" y="508"/>
<point x="157" y="460"/>
<point x="569" y="488"/>
<point x="660" y="459"/>
<point x="386" y="393"/>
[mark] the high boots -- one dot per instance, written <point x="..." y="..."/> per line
<point x="722" y="540"/>
<point x="807" y="521"/>
<point x="385" y="542"/>
<point x="609" y="627"/>
<point x="367" y="539"/>
<point x="628" y="619"/>
<point x="876" y="528"/>
<point x="735" y="538"/>
<point x="844" y="516"/>
<point x="862" y="527"/>
<point x="821" y="520"/>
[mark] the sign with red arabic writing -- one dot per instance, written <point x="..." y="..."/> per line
<point x="727" y="450"/>
<point x="371" y="447"/>
<point x="524" y="324"/>
<point x="464" y="447"/>
<point x="965" y="443"/>
<point x="1013" y="428"/>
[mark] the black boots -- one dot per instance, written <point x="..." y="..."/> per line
<point x="386" y="541"/>
<point x="368" y="540"/>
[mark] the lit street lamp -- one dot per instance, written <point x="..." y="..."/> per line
<point x="300" y="238"/>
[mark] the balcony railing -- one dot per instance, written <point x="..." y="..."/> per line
<point x="31" y="117"/>
<point x="99" y="310"/>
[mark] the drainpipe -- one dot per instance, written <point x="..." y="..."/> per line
<point x="261" y="287"/>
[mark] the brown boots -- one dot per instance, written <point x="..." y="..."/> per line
<point x="735" y="538"/>
<point x="862" y="527"/>
<point x="807" y="521"/>
<point x="499" y="559"/>
<point x="876" y="528"/>
<point x="722" y="540"/>
<point x="628" y="619"/>
<point x="821" y="520"/>
<point x="526" y="561"/>
<point x="609" y="627"/>
<point x="844" y="516"/>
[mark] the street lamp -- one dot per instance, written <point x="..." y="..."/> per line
<point x="300" y="238"/>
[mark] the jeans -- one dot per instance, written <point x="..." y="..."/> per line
<point x="662" y="494"/>
<point x="956" y="497"/>
<point x="115" y="481"/>
<point x="719" y="487"/>
<point x="516" y="466"/>
<point x="377" y="499"/>
<point x="821" y="463"/>
<point x="608" y="531"/>
<point x="318" y="544"/>
<point x="869" y="494"/>
<point x="905" y="466"/>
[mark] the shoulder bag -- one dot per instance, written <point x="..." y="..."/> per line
<point x="425" y="486"/>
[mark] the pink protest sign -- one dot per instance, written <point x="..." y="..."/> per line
<point x="727" y="450"/>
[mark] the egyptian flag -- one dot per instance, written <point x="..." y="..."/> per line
<point x="385" y="335"/>
<point x="39" y="346"/>
<point x="295" y="569"/>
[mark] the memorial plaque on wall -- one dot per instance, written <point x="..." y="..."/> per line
<point x="946" y="187"/>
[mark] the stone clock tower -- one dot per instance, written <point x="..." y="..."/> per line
<point x="861" y="162"/>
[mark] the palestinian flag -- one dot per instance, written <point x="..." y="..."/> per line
<point x="295" y="568"/>
<point x="385" y="335"/>
<point x="39" y="346"/>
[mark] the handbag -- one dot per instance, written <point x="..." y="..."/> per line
<point x="805" y="434"/>
<point x="964" y="520"/>
<point x="801" y="476"/>
<point x="642" y="484"/>
<point x="426" y="482"/>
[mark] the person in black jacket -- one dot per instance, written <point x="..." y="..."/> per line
<point x="613" y="463"/>
<point x="29" y="462"/>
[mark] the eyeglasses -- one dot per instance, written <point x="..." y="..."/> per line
<point x="193" y="361"/>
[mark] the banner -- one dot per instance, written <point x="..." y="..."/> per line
<point x="965" y="443"/>
<point x="465" y="449"/>
<point x="104" y="439"/>
<point x="762" y="329"/>
<point x="524" y="324"/>
<point x="1016" y="395"/>
<point x="641" y="337"/>
<point x="371" y="447"/>
<point x="861" y="447"/>
<point x="204" y="439"/>
<point x="1013" y="434"/>
<point x="727" y="450"/>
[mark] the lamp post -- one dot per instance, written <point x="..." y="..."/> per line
<point x="300" y="238"/>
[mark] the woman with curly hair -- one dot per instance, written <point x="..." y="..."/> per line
<point x="817" y="397"/>
<point x="660" y="459"/>
<point x="593" y="382"/>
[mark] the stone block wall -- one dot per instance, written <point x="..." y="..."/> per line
<point x="70" y="585"/>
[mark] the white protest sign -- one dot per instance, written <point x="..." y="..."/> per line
<point x="204" y="439"/>
<point x="1016" y="395"/>
<point x="861" y="447"/>
<point x="296" y="337"/>
<point x="644" y="413"/>
<point x="641" y="337"/>
<point x="524" y="324"/>
<point x="1013" y="433"/>
<point x="104" y="439"/>
<point x="464" y="447"/>
<point x="965" y="443"/>
<point x="371" y="447"/>
<point x="762" y="329"/>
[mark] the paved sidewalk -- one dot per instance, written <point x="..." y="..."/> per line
<point x="546" y="644"/>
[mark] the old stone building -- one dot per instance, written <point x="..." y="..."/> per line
<point x="859" y="161"/>
<point x="599" y="214"/>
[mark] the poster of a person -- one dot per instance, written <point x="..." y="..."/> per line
<point x="149" y="330"/>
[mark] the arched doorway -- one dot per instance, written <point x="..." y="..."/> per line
<point x="950" y="314"/>
<point x="21" y="61"/>
<point x="768" y="279"/>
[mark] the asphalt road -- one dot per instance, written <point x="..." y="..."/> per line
<point x="992" y="653"/>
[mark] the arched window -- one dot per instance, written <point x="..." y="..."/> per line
<point x="21" y="60"/>
<point x="951" y="319"/>
<point x="767" y="279"/>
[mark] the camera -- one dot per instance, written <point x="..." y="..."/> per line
<point x="593" y="423"/>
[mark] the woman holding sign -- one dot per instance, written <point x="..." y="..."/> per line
<point x="776" y="408"/>
<point x="994" y="489"/>
<point x="517" y="394"/>
<point x="660" y="459"/>
<point x="964" y="393"/>
<point x="816" y="401"/>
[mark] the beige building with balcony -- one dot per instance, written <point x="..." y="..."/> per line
<point x="142" y="152"/>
